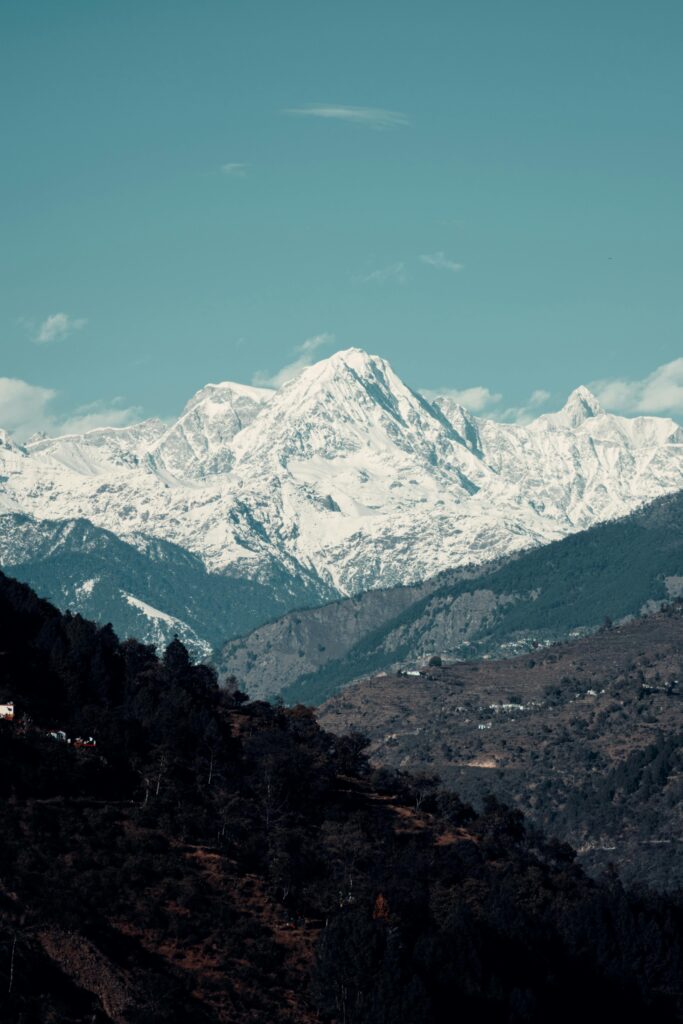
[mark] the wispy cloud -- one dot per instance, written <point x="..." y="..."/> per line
<point x="475" y="399"/>
<point x="660" y="392"/>
<point x="99" y="414"/>
<point x="484" y="402"/>
<point x="57" y="327"/>
<point x="520" y="414"/>
<point x="440" y="261"/>
<point x="25" y="409"/>
<point x="304" y="352"/>
<point x="396" y="272"/>
<point x="525" y="413"/>
<point x="373" y="117"/>
<point x="235" y="170"/>
<point x="538" y="397"/>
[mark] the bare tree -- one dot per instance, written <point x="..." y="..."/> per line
<point x="11" y="966"/>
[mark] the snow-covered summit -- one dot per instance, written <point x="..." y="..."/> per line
<point x="198" y="444"/>
<point x="582" y="412"/>
<point x="353" y="409"/>
<point x="579" y="407"/>
<point x="346" y="476"/>
<point x="228" y="392"/>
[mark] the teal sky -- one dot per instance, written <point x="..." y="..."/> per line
<point x="492" y="199"/>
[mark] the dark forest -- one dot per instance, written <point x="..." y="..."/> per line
<point x="213" y="859"/>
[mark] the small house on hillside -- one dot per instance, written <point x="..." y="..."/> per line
<point x="7" y="711"/>
<point x="85" y="741"/>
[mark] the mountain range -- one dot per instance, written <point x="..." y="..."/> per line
<point x="87" y="569"/>
<point x="341" y="481"/>
<point x="618" y="569"/>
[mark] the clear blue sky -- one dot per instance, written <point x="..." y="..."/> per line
<point x="156" y="185"/>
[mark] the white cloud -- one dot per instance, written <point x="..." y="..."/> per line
<point x="98" y="414"/>
<point x="25" y="409"/>
<point x="521" y="414"/>
<point x="440" y="261"/>
<point x="304" y="352"/>
<point x="235" y="170"/>
<point x="374" y="117"/>
<point x="314" y="343"/>
<point x="395" y="272"/>
<point x="539" y="397"/>
<point x="525" y="413"/>
<point x="482" y="401"/>
<point x="659" y="392"/>
<point x="58" y="326"/>
<point x="475" y="399"/>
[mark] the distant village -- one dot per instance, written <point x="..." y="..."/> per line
<point x="7" y="714"/>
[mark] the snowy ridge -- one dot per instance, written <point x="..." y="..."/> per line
<point x="162" y="627"/>
<point x="346" y="477"/>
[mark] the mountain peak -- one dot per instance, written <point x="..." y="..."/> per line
<point x="583" y="402"/>
<point x="355" y="359"/>
<point x="349" y="371"/>
<point x="198" y="444"/>
<point x="581" y="405"/>
<point x="230" y="393"/>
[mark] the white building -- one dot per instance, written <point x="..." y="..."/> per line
<point x="7" y="711"/>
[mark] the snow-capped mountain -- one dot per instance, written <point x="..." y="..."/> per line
<point x="199" y="443"/>
<point x="147" y="588"/>
<point x="344" y="479"/>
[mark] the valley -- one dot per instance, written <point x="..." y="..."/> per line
<point x="585" y="737"/>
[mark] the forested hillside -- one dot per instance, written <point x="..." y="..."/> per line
<point x="146" y="587"/>
<point x="216" y="860"/>
<point x="584" y="737"/>
<point x="617" y="569"/>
